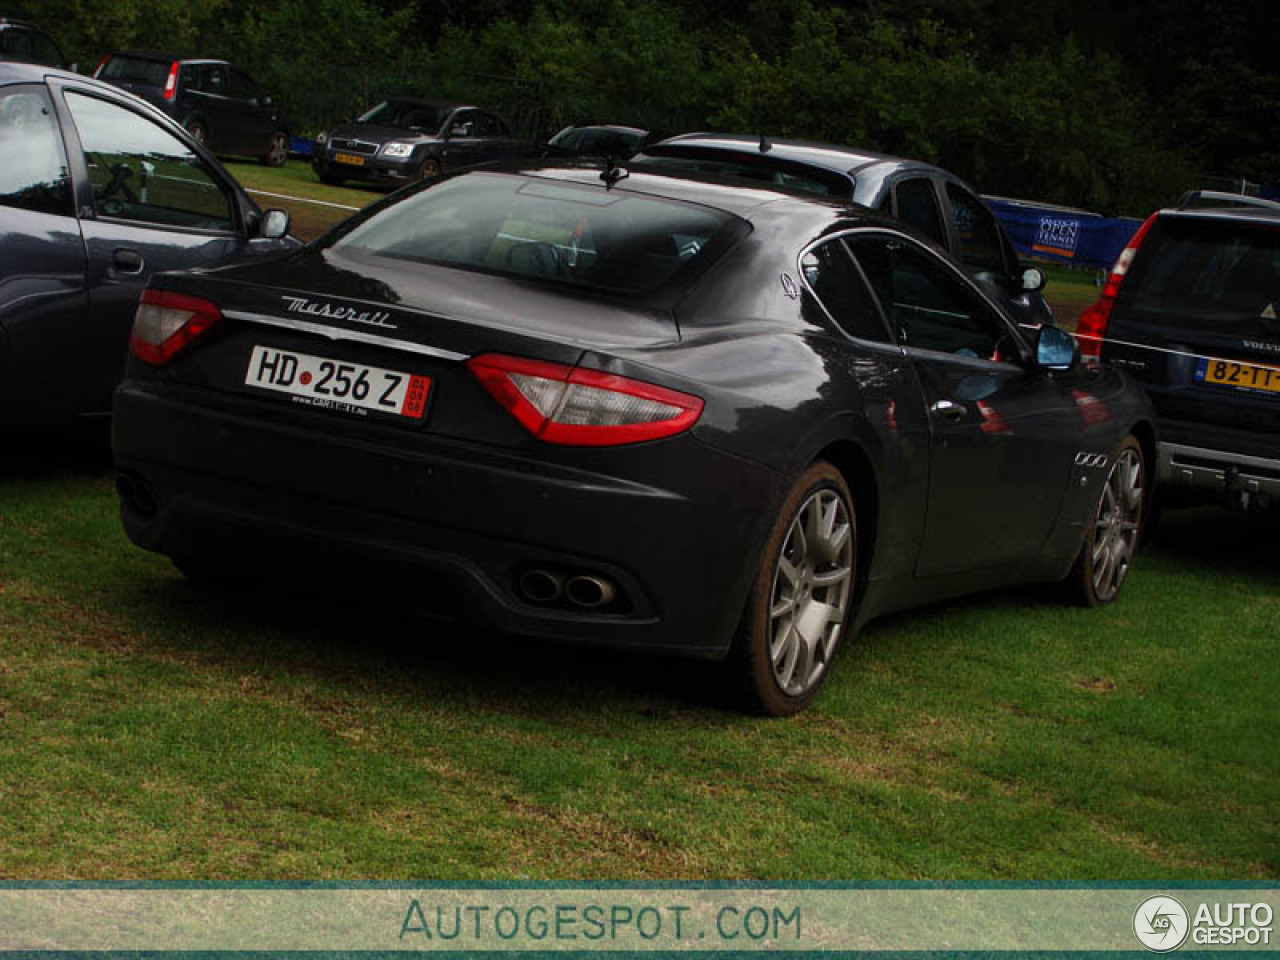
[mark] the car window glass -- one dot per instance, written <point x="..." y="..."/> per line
<point x="33" y="166"/>
<point x="488" y="125"/>
<point x="929" y="306"/>
<point x="31" y="47"/>
<point x="241" y="87"/>
<point x="140" y="171"/>
<point x="834" y="278"/>
<point x="463" y="124"/>
<point x="152" y="73"/>
<point x="615" y="242"/>
<point x="1213" y="276"/>
<point x="918" y="205"/>
<point x="976" y="227"/>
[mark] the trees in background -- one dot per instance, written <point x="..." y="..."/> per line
<point x="1110" y="109"/>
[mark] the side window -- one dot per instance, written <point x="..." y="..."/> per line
<point x="917" y="204"/>
<point x="833" y="276"/>
<point x="488" y="125"/>
<point x="929" y="306"/>
<point x="979" y="234"/>
<point x="463" y="124"/>
<point x="33" y="166"/>
<point x="241" y="86"/>
<point x="140" y="171"/>
<point x="215" y="78"/>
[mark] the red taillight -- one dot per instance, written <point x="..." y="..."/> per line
<point x="166" y="323"/>
<point x="101" y="63"/>
<point x="1092" y="325"/>
<point x="583" y="408"/>
<point x="171" y="82"/>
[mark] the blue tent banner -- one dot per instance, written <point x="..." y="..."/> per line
<point x="1064" y="235"/>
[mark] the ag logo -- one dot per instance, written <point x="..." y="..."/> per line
<point x="1161" y="923"/>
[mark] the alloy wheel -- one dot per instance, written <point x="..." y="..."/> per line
<point x="1119" y="521"/>
<point x="812" y="583"/>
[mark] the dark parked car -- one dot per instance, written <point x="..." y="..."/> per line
<point x="937" y="203"/>
<point x="675" y="415"/>
<point x="99" y="191"/>
<point x="219" y="104"/>
<point x="24" y="42"/>
<point x="408" y="139"/>
<point x="601" y="140"/>
<point x="1192" y="311"/>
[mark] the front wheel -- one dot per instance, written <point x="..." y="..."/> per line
<point x="801" y="597"/>
<point x="430" y="168"/>
<point x="1111" y="537"/>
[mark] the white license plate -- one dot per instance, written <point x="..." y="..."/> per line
<point x="334" y="384"/>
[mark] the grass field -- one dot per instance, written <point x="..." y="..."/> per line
<point x="153" y="729"/>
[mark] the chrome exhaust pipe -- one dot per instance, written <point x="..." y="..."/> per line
<point x="589" y="592"/>
<point x="541" y="586"/>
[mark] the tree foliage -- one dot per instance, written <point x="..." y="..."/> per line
<point x="1113" y="108"/>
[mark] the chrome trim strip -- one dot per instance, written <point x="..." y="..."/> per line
<point x="341" y="333"/>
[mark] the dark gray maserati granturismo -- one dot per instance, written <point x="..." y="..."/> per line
<point x="690" y="416"/>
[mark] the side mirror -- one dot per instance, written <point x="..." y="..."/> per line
<point x="273" y="225"/>
<point x="1033" y="280"/>
<point x="1056" y="349"/>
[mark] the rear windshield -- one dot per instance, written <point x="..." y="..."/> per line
<point x="397" y="113"/>
<point x="30" y="46"/>
<point x="1217" y="276"/>
<point x="606" y="240"/>
<point x="153" y="73"/>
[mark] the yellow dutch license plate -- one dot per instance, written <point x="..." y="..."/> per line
<point x="348" y="158"/>
<point x="1243" y="376"/>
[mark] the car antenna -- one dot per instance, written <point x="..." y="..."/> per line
<point x="613" y="172"/>
<point x="765" y="145"/>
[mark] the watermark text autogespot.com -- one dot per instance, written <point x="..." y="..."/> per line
<point x="600" y="922"/>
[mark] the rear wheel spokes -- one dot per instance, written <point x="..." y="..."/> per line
<point x="811" y="588"/>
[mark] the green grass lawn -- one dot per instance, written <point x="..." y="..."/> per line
<point x="153" y="729"/>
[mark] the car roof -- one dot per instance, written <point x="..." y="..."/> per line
<point x="724" y="193"/>
<point x="16" y="71"/>
<point x="431" y="102"/>
<point x="1261" y="215"/>
<point x="824" y="155"/>
<point x="164" y="57"/>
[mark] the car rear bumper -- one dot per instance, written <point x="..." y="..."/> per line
<point x="450" y="525"/>
<point x="1240" y="479"/>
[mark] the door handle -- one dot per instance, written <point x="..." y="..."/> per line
<point x="127" y="261"/>
<point x="948" y="411"/>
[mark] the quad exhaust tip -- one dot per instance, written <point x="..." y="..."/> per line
<point x="541" y="586"/>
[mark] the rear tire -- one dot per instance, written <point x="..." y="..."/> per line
<point x="1114" y="529"/>
<point x="277" y="154"/>
<point x="801" y="597"/>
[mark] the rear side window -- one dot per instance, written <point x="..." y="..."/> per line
<point x="1208" y="275"/>
<point x="980" y="244"/>
<point x="611" y="241"/>
<point x="33" y="167"/>
<point x="833" y="276"/>
<point x="152" y="73"/>
<point x="917" y="205"/>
